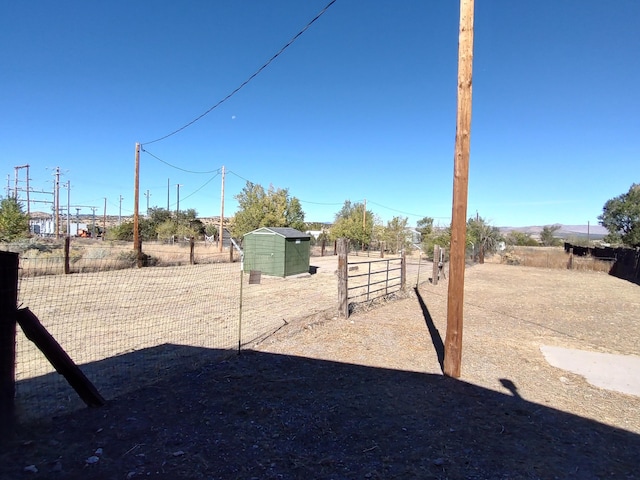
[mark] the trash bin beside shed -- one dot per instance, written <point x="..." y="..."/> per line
<point x="276" y="251"/>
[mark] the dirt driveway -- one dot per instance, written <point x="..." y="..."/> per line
<point x="365" y="398"/>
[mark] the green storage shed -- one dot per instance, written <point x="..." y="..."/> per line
<point x="277" y="251"/>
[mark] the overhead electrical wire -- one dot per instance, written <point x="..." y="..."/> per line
<point x="241" y="178"/>
<point x="405" y="213"/>
<point x="251" y="77"/>
<point x="178" y="168"/>
<point x="201" y="186"/>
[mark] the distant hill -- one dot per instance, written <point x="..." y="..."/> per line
<point x="565" y="231"/>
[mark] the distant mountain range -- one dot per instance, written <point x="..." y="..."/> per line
<point x="594" y="231"/>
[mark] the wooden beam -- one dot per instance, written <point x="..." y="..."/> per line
<point x="56" y="355"/>
<point x="455" y="298"/>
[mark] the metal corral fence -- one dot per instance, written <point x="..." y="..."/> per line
<point x="371" y="279"/>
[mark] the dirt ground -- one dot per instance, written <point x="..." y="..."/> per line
<point x="365" y="397"/>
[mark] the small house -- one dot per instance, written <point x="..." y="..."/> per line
<point x="276" y="251"/>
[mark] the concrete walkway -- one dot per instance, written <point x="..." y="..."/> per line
<point x="620" y="373"/>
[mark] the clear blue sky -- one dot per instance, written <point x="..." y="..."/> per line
<point x="362" y="105"/>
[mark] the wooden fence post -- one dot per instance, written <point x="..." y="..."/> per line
<point x="139" y="256"/>
<point x="570" y="264"/>
<point x="192" y="245"/>
<point x="67" y="248"/>
<point x="403" y="270"/>
<point x="8" y="313"/>
<point x="436" y="261"/>
<point x="324" y="243"/>
<point x="343" y="274"/>
<point x="231" y="253"/>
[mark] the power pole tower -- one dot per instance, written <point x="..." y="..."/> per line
<point x="93" y="222"/>
<point x="178" y="185"/>
<point x="364" y="223"/>
<point x="168" y="195"/>
<point x="120" y="211"/>
<point x="136" y="195"/>
<point x="68" y="187"/>
<point x="17" y="187"/>
<point x="147" y="195"/>
<point x="220" y="233"/>
<point x="455" y="298"/>
<point x="104" y="218"/>
<point x="57" y="202"/>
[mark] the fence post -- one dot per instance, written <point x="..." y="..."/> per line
<point x="67" y="244"/>
<point x="570" y="264"/>
<point x="8" y="310"/>
<point x="192" y="245"/>
<point x="323" y="245"/>
<point x="343" y="273"/>
<point x="139" y="256"/>
<point x="230" y="253"/>
<point x="403" y="270"/>
<point x="436" y="261"/>
<point x="382" y="245"/>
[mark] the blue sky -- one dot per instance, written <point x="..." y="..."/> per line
<point x="361" y="106"/>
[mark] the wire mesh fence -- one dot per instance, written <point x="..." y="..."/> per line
<point x="127" y="327"/>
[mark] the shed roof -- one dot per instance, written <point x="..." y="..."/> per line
<point x="285" y="232"/>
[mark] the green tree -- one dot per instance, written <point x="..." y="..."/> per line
<point x="425" y="226"/>
<point x="621" y="217"/>
<point x="354" y="223"/>
<point x="160" y="221"/>
<point x="547" y="236"/>
<point x="395" y="234"/>
<point x="273" y="208"/>
<point x="14" y="223"/>
<point x="484" y="237"/>
<point x="437" y="236"/>
<point x="520" y="239"/>
<point x="211" y="229"/>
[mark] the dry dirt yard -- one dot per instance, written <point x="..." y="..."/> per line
<point x="365" y="397"/>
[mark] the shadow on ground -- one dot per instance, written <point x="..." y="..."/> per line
<point x="260" y="415"/>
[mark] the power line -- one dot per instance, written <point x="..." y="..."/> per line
<point x="201" y="187"/>
<point x="240" y="177"/>
<point x="255" y="74"/>
<point x="406" y="213"/>
<point x="177" y="168"/>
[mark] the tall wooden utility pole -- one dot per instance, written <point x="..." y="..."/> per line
<point x="364" y="216"/>
<point x="136" y="201"/>
<point x="220" y="233"/>
<point x="455" y="299"/>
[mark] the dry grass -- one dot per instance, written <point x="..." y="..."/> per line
<point x="551" y="257"/>
<point x="364" y="397"/>
<point x="47" y="256"/>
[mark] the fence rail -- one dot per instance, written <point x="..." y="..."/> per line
<point x="382" y="277"/>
